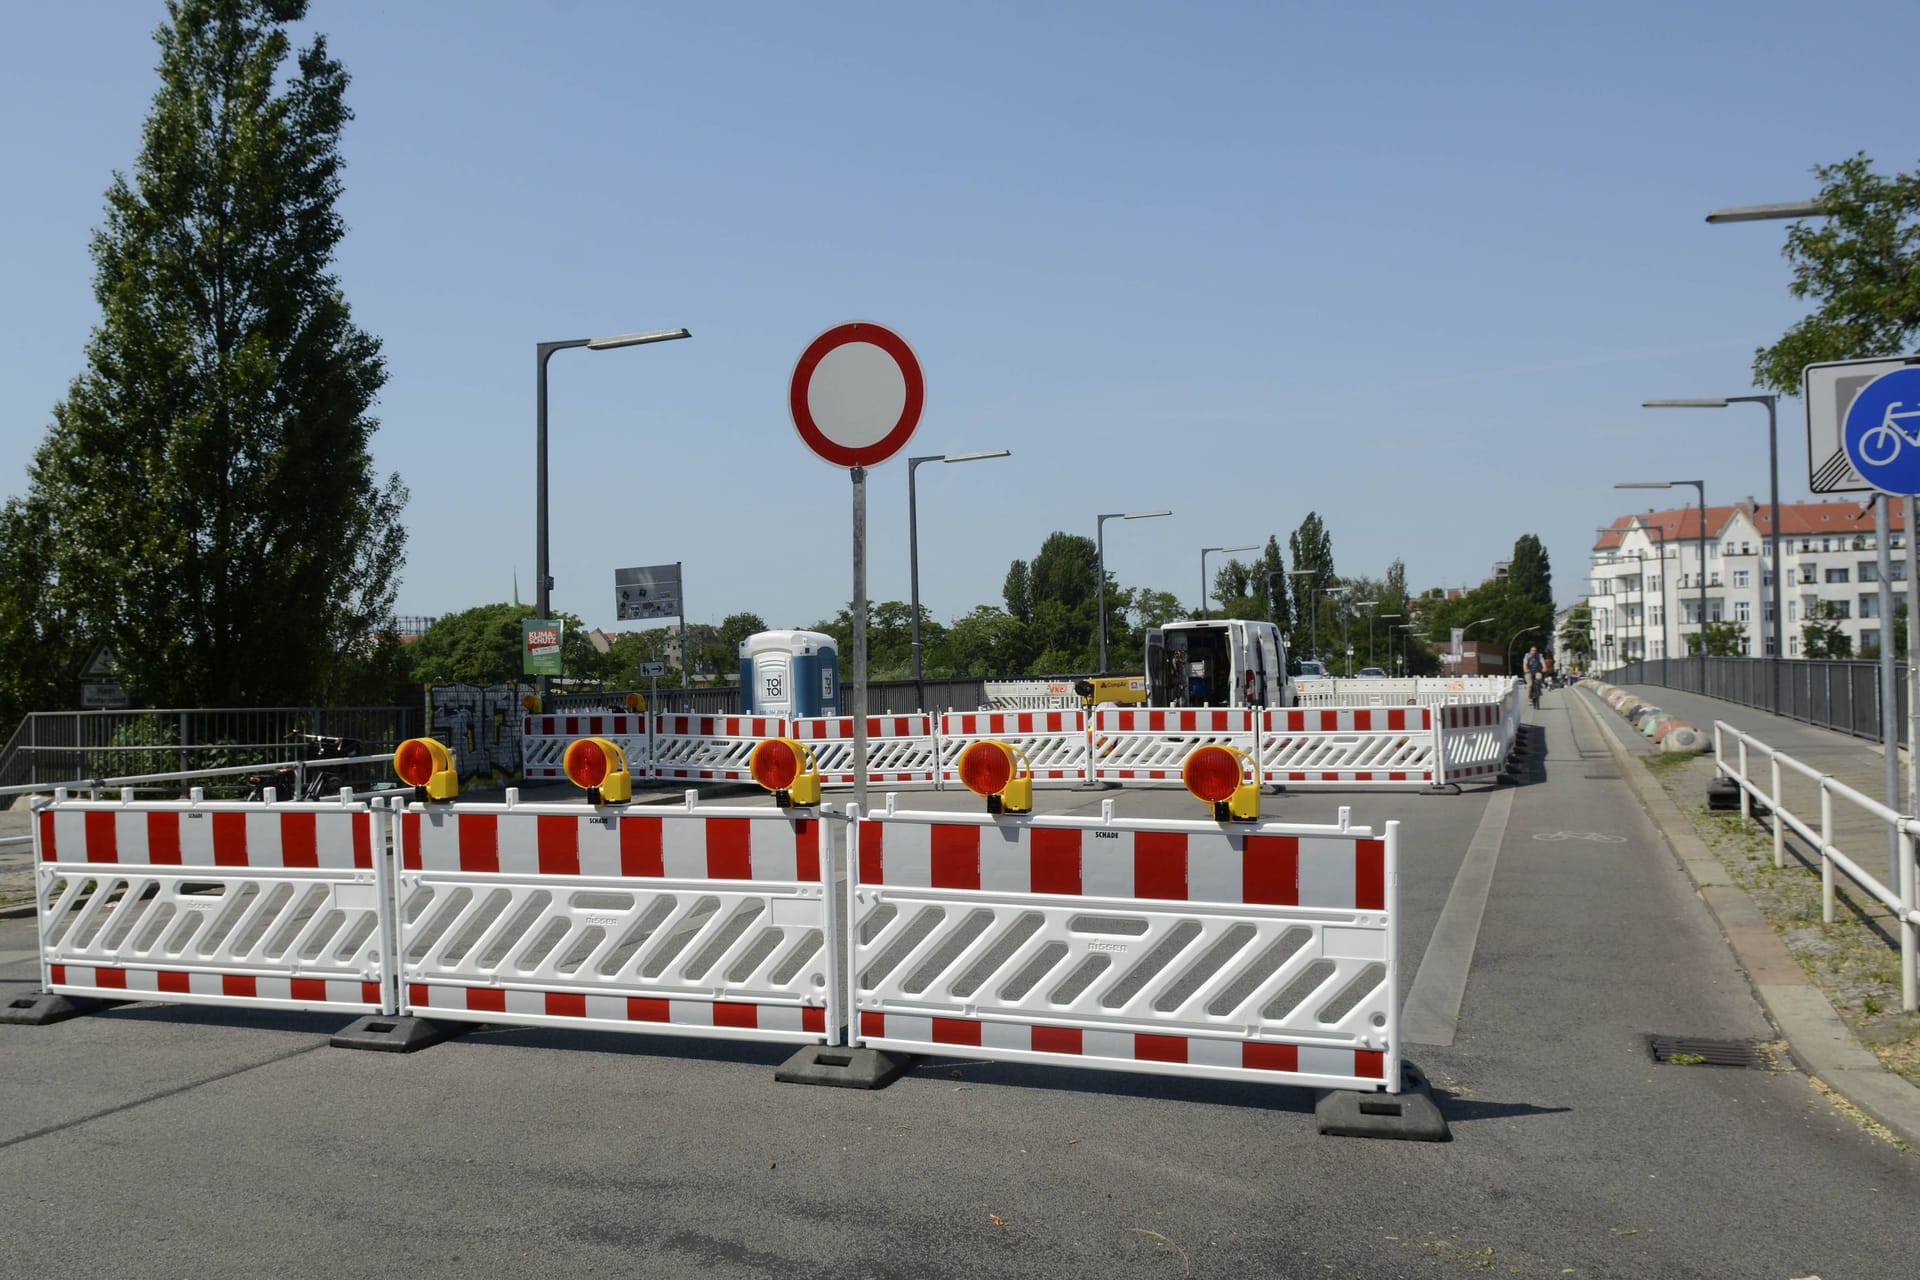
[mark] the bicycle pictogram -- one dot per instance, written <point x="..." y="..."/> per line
<point x="1591" y="837"/>
<point x="1882" y="444"/>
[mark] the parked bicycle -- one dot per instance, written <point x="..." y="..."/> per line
<point x="320" y="783"/>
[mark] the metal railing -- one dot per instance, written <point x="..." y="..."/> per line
<point x="149" y="781"/>
<point x="1840" y="695"/>
<point x="884" y="698"/>
<point x="1901" y="901"/>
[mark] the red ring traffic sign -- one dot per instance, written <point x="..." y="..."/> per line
<point x="856" y="394"/>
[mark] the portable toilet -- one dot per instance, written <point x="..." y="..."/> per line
<point x="789" y="673"/>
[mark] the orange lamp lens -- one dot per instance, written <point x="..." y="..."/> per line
<point x="1211" y="773"/>
<point x="586" y="763"/>
<point x="414" y="763"/>
<point x="986" y="768"/>
<point x="774" y="765"/>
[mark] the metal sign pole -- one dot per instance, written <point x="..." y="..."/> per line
<point x="859" y="475"/>
<point x="1889" y="696"/>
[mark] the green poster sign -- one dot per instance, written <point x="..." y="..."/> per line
<point x="540" y="646"/>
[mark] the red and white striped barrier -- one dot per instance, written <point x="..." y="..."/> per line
<point x="544" y="740"/>
<point x="709" y="748"/>
<point x="1265" y="952"/>
<point x="899" y="748"/>
<point x="1151" y="745"/>
<point x="1349" y="746"/>
<point x="1476" y="738"/>
<point x="283" y="906"/>
<point x="1054" y="742"/>
<point x="709" y="922"/>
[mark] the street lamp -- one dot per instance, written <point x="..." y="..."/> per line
<point x="543" y="351"/>
<point x="1369" y="605"/>
<point x="1204" y="553"/>
<point x="1701" y="487"/>
<point x="1342" y="591"/>
<point x="1463" y="640"/>
<point x="1100" y="555"/>
<point x="1516" y="635"/>
<point x="1390" y="621"/>
<point x="1773" y="467"/>
<point x="1313" y="610"/>
<point x="913" y="550"/>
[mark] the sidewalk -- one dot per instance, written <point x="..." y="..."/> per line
<point x="1821" y="1040"/>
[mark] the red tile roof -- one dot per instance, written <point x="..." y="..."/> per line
<point x="1797" y="520"/>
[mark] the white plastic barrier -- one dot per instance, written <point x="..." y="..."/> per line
<point x="1031" y="695"/>
<point x="899" y="748"/>
<point x="1350" y="746"/>
<point x="283" y="906"/>
<point x="1265" y="952"/>
<point x="713" y="922"/>
<point x="1476" y="738"/>
<point x="1054" y="742"/>
<point x="544" y="740"/>
<point x="1151" y="745"/>
<point x="709" y="748"/>
<point x="1424" y="691"/>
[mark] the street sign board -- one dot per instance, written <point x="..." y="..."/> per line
<point x="103" y="695"/>
<point x="1882" y="432"/>
<point x="1828" y="391"/>
<point x="102" y="665"/>
<point x="653" y="669"/>
<point x="856" y="394"/>
<point x="651" y="591"/>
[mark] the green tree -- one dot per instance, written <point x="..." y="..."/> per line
<point x="211" y="506"/>
<point x="630" y="649"/>
<point x="1529" y="571"/>
<point x="988" y="642"/>
<point x="483" y="645"/>
<point x="1311" y="547"/>
<point x="1729" y="640"/>
<point x="1017" y="592"/>
<point x="1860" y="265"/>
<point x="1575" y="641"/>
<point x="1820" y="634"/>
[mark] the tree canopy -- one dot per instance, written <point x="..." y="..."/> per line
<point x="204" y="501"/>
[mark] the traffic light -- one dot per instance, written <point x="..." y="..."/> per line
<point x="598" y="767"/>
<point x="991" y="768"/>
<point x="427" y="766"/>
<point x="786" y="768"/>
<point x="1221" y="776"/>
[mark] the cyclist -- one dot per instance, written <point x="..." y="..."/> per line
<point x="1536" y="669"/>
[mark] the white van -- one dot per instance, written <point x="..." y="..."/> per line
<point x="1229" y="663"/>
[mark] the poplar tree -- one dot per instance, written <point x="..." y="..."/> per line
<point x="204" y="501"/>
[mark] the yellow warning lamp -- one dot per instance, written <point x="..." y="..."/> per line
<point x="1222" y="777"/>
<point x="636" y="702"/>
<point x="991" y="768"/>
<point x="427" y="766"/>
<point x="532" y="703"/>
<point x="599" y="768"/>
<point x="786" y="768"/>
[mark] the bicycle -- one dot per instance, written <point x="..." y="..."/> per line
<point x="320" y="783"/>
<point x="1534" y="681"/>
<point x="1888" y="439"/>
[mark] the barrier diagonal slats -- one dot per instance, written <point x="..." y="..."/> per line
<point x="899" y="748"/>
<point x="219" y="903"/>
<point x="1151" y="745"/>
<point x="708" y="922"/>
<point x="1259" y="953"/>
<point x="544" y="740"/>
<point x="1054" y="742"/>
<point x="1349" y="746"/>
<point x="1477" y="737"/>
<point x="709" y="748"/>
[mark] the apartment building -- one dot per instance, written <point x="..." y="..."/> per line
<point x="1644" y="586"/>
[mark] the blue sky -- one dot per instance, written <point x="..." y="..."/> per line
<point x="1411" y="266"/>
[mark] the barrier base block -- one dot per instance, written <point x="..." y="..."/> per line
<point x="843" y="1068"/>
<point x="381" y="1033"/>
<point x="1723" y="794"/>
<point x="38" y="1008"/>
<point x="1408" y="1116"/>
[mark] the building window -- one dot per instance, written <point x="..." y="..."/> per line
<point x="1653" y="583"/>
<point x="1739" y="577"/>
<point x="1870" y="605"/>
<point x="1869" y="640"/>
<point x="1714" y="581"/>
<point x="1793" y="579"/>
<point x="1713" y="611"/>
<point x="1869" y="571"/>
<point x="1836" y="575"/>
<point x="1899" y="573"/>
<point x="1793" y="611"/>
<point x="1793" y="646"/>
<point x="1839" y="609"/>
<point x="1742" y="611"/>
<point x="1769" y="644"/>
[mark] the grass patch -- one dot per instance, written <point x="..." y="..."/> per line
<point x="1663" y="763"/>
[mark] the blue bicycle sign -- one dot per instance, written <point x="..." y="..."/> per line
<point x="1882" y="432"/>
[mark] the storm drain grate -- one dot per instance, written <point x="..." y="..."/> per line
<point x="1691" y="1051"/>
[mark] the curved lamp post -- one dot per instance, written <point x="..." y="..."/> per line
<point x="913" y="550"/>
<point x="1100" y="572"/>
<point x="1204" y="553"/>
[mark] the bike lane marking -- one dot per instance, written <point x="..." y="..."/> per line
<point x="1431" y="1014"/>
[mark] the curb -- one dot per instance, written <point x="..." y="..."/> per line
<point x="1818" y="1041"/>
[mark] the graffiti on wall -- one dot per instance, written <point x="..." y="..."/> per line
<point x="481" y="726"/>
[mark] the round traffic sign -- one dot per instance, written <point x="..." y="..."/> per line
<point x="856" y="394"/>
<point x="1882" y="432"/>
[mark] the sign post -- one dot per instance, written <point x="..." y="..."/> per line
<point x="1880" y="440"/>
<point x="856" y="396"/>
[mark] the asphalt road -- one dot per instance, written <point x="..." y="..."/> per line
<point x="161" y="1141"/>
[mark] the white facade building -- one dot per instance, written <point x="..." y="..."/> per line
<point x="1644" y="586"/>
